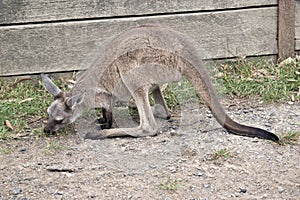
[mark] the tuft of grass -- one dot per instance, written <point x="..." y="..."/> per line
<point x="4" y="134"/>
<point x="54" y="147"/>
<point x="180" y="93"/>
<point x="170" y="185"/>
<point x="5" y="151"/>
<point x="291" y="138"/>
<point x="222" y="153"/>
<point x="260" y="77"/>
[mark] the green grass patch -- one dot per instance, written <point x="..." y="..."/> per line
<point x="5" y="151"/>
<point x="180" y="93"/>
<point x="290" y="138"/>
<point x="170" y="185"/>
<point x="261" y="78"/>
<point x="221" y="154"/>
<point x="53" y="147"/>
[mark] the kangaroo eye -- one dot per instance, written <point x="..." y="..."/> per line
<point x="58" y="121"/>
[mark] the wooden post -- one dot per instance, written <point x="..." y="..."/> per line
<point x="286" y="29"/>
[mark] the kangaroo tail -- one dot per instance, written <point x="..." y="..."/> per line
<point x="204" y="86"/>
<point x="239" y="129"/>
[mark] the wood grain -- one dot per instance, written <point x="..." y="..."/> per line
<point x="286" y="28"/>
<point x="64" y="46"/>
<point x="27" y="11"/>
<point x="297" y="24"/>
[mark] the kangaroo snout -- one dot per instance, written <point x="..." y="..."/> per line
<point x="47" y="130"/>
<point x="51" y="127"/>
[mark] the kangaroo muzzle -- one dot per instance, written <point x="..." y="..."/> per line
<point x="51" y="127"/>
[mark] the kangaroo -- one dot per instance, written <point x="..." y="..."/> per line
<point x="133" y="63"/>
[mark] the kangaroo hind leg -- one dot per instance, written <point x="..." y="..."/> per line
<point x="160" y="109"/>
<point x="147" y="125"/>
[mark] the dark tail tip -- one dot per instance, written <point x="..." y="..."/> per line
<point x="260" y="133"/>
<point x="255" y="132"/>
<point x="248" y="131"/>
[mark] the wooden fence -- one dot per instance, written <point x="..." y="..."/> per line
<point x="56" y="36"/>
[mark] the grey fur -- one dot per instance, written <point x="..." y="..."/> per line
<point x="133" y="63"/>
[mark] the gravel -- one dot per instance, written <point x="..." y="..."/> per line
<point x="175" y="164"/>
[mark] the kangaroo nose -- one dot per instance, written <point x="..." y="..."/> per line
<point x="47" y="130"/>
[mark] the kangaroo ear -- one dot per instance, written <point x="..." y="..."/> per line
<point x="74" y="101"/>
<point x="50" y="86"/>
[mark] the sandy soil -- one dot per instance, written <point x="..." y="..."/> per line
<point x="176" y="164"/>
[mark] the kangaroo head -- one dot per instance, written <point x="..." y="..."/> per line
<point x="62" y="110"/>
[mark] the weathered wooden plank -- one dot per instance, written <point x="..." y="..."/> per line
<point x="63" y="46"/>
<point x="52" y="10"/>
<point x="297" y="24"/>
<point x="286" y="28"/>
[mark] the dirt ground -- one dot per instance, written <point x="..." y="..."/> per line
<point x="176" y="164"/>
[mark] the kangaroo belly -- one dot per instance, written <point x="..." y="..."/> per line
<point x="148" y="75"/>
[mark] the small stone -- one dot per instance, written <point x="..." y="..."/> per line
<point x="153" y="166"/>
<point x="243" y="190"/>
<point x="273" y="114"/>
<point x="69" y="153"/>
<point x="209" y="115"/>
<point x="123" y="149"/>
<point x="173" y="169"/>
<point x="25" y="165"/>
<point x="245" y="111"/>
<point x="281" y="190"/>
<point x="174" y="127"/>
<point x="93" y="168"/>
<point x="173" y="133"/>
<point x="59" y="193"/>
<point x="17" y="191"/>
<point x="23" y="149"/>
<point x="198" y="174"/>
<point x="236" y="194"/>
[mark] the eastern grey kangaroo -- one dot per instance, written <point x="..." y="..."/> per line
<point x="134" y="62"/>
